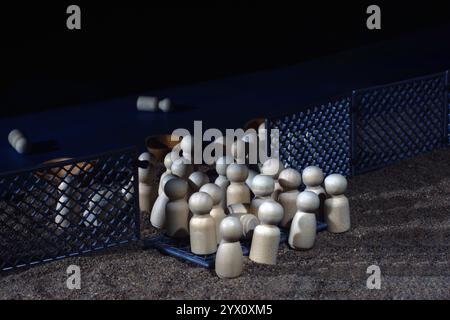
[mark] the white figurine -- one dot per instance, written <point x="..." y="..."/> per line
<point x="237" y="191"/>
<point x="337" y="208"/>
<point x="217" y="211"/>
<point x="147" y="189"/>
<point x="290" y="180"/>
<point x="304" y="225"/>
<point x="313" y="177"/>
<point x="168" y="164"/>
<point x="158" y="213"/>
<point x="187" y="147"/>
<point x="251" y="175"/>
<point x="273" y="167"/>
<point x="202" y="227"/>
<point x="222" y="180"/>
<point x="263" y="187"/>
<point x="266" y="237"/>
<point x="229" y="258"/>
<point x="177" y="209"/>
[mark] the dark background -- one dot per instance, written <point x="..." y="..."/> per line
<point x="127" y="47"/>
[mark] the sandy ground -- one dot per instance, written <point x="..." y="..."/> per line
<point x="401" y="222"/>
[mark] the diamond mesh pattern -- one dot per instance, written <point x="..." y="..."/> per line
<point x="398" y="121"/>
<point x="67" y="208"/>
<point x="319" y="135"/>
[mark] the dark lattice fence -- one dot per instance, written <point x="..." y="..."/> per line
<point x="367" y="130"/>
<point x="68" y="208"/>
<point x="398" y="121"/>
<point x="319" y="135"/>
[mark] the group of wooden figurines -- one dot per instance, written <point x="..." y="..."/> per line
<point x="241" y="204"/>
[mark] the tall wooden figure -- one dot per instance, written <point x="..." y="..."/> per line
<point x="312" y="177"/>
<point x="202" y="227"/>
<point x="290" y="180"/>
<point x="237" y="191"/>
<point x="266" y="237"/>
<point x="177" y="209"/>
<point x="217" y="211"/>
<point x="222" y="181"/>
<point x="229" y="257"/>
<point x="337" y="208"/>
<point x="304" y="226"/>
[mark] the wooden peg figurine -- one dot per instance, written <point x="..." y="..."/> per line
<point x="304" y="225"/>
<point x="312" y="177"/>
<point x="337" y="208"/>
<point x="251" y="175"/>
<point x="187" y="147"/>
<point x="263" y="187"/>
<point x="158" y="213"/>
<point x="273" y="167"/>
<point x="167" y="164"/>
<point x="202" y="227"/>
<point x="266" y="237"/>
<point x="147" y="187"/>
<point x="177" y="209"/>
<point x="229" y="258"/>
<point x="217" y="211"/>
<point x="237" y="191"/>
<point x="289" y="180"/>
<point x="222" y="180"/>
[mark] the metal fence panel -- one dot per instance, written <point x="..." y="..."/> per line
<point x="398" y="121"/>
<point x="319" y="135"/>
<point x="68" y="208"/>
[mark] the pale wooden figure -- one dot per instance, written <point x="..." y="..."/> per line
<point x="266" y="237"/>
<point x="303" y="230"/>
<point x="217" y="211"/>
<point x="337" y="208"/>
<point x="237" y="191"/>
<point x="177" y="209"/>
<point x="262" y="187"/>
<point x="229" y="258"/>
<point x="202" y="227"/>
<point x="167" y="164"/>
<point x="312" y="177"/>
<point x="290" y="180"/>
<point x="196" y="180"/>
<point x="158" y="213"/>
<point x="147" y="189"/>
<point x="222" y="181"/>
<point x="273" y="167"/>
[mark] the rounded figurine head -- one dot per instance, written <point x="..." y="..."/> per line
<point x="222" y="164"/>
<point x="214" y="191"/>
<point x="181" y="169"/>
<point x="272" y="167"/>
<point x="270" y="212"/>
<point x="200" y="203"/>
<point x="168" y="161"/>
<point x="263" y="186"/>
<point x="335" y="184"/>
<point x="290" y="179"/>
<point x="175" y="189"/>
<point x="231" y="229"/>
<point x="197" y="179"/>
<point x="308" y="201"/>
<point x="166" y="179"/>
<point x="312" y="176"/>
<point x="251" y="175"/>
<point x="237" y="172"/>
